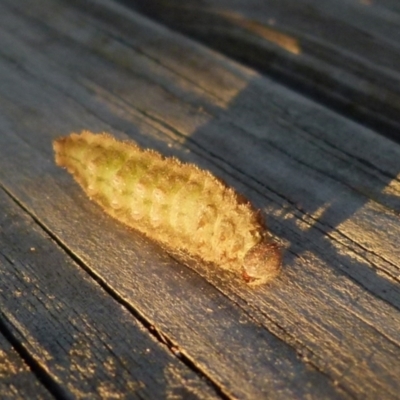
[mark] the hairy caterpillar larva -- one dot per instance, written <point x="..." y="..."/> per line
<point x="177" y="204"/>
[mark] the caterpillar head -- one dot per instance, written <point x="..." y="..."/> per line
<point x="262" y="262"/>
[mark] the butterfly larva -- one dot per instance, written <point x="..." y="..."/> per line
<point x="177" y="204"/>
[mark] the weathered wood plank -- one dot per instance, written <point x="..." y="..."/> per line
<point x="344" y="53"/>
<point x="88" y="345"/>
<point x="210" y="325"/>
<point x="293" y="138"/>
<point x="202" y="324"/>
<point x="330" y="188"/>
<point x="16" y="379"/>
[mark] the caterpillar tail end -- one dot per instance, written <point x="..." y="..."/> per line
<point x="262" y="263"/>
<point x="58" y="147"/>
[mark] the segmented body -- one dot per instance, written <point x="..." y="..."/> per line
<point x="176" y="204"/>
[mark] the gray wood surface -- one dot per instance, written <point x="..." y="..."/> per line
<point x="328" y="327"/>
<point x="345" y="53"/>
<point x="16" y="379"/>
<point x="87" y="344"/>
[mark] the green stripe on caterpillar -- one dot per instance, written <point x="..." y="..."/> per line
<point x="176" y="204"/>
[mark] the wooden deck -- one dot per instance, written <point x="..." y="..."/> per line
<point x="90" y="309"/>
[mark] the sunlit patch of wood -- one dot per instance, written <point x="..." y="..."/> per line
<point x="283" y="40"/>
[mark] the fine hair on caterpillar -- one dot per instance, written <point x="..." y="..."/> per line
<point x="177" y="204"/>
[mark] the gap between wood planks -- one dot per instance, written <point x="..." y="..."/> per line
<point x="150" y="116"/>
<point x="235" y="31"/>
<point x="57" y="390"/>
<point x="41" y="373"/>
<point x="253" y="183"/>
<point x="37" y="369"/>
<point x="335" y="239"/>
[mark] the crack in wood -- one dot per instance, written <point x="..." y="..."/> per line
<point x="161" y="337"/>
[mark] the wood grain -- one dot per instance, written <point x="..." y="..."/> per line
<point x="86" y="343"/>
<point x="328" y="327"/>
<point x="16" y="379"/>
<point x="343" y="53"/>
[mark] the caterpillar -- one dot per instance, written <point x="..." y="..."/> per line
<point x="177" y="204"/>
